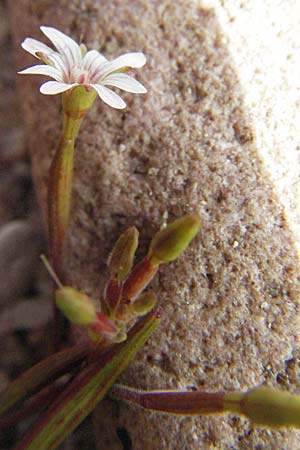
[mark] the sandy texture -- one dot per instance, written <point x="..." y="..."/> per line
<point x="232" y="302"/>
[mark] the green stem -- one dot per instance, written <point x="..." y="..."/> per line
<point x="76" y="104"/>
<point x="60" y="190"/>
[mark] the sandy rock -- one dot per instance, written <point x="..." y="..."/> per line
<point x="232" y="301"/>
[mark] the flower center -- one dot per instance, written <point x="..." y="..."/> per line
<point x="79" y="75"/>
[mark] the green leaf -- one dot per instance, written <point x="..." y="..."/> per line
<point x="86" y="390"/>
<point x="41" y="374"/>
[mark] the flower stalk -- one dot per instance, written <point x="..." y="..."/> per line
<point x="80" y="76"/>
<point x="76" y="104"/>
<point x="263" y="406"/>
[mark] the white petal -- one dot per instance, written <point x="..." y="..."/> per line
<point x="64" y="44"/>
<point x="109" y="97"/>
<point x="131" y="60"/>
<point x="125" y="82"/>
<point x="93" y="59"/>
<point x="32" y="46"/>
<point x="43" y="69"/>
<point x="134" y="60"/>
<point x="55" y="87"/>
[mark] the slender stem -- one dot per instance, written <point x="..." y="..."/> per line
<point x="173" y="402"/>
<point x="76" y="104"/>
<point x="59" y="205"/>
<point x="60" y="190"/>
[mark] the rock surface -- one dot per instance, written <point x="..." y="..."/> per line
<point x="232" y="301"/>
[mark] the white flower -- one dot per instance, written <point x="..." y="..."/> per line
<point x="72" y="65"/>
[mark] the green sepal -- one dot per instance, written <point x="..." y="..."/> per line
<point x="77" y="101"/>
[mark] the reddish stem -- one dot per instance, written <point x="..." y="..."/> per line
<point x="172" y="402"/>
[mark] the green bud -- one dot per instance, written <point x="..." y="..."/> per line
<point x="75" y="305"/>
<point x="143" y="304"/>
<point x="121" y="258"/>
<point x="170" y="242"/>
<point x="268" y="407"/>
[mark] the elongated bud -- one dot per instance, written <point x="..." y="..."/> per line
<point x="268" y="407"/>
<point x="75" y="305"/>
<point x="121" y="258"/>
<point x="143" y="304"/>
<point x="139" y="278"/>
<point x="170" y="242"/>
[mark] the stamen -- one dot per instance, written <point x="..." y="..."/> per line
<point x="81" y="78"/>
<point x="44" y="58"/>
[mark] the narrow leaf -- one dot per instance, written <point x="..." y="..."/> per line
<point x="86" y="390"/>
<point x="42" y="374"/>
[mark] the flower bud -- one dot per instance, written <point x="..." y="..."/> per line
<point x="143" y="304"/>
<point x="268" y="407"/>
<point x="139" y="278"/>
<point x="121" y="258"/>
<point x="75" y="305"/>
<point x="105" y="327"/>
<point x="170" y="242"/>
